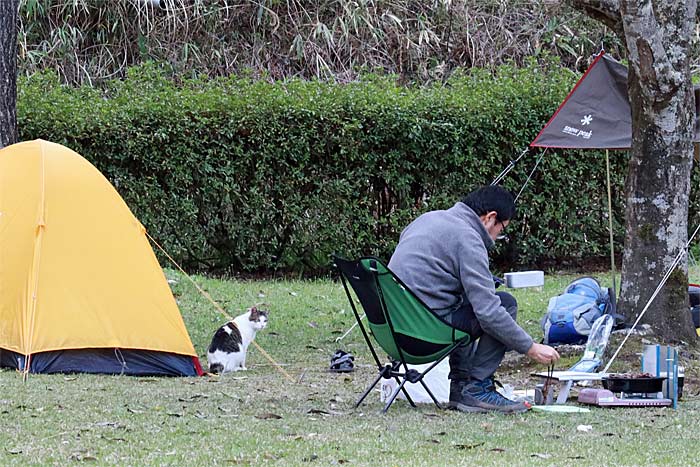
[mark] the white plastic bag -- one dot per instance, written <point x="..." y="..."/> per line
<point x="436" y="380"/>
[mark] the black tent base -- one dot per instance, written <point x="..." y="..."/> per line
<point x="105" y="361"/>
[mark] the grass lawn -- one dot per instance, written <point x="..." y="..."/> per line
<point x="259" y="417"/>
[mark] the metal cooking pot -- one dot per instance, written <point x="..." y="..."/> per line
<point x="633" y="385"/>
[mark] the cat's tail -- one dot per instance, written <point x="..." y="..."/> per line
<point x="216" y="368"/>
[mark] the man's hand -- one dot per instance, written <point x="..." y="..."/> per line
<point x="543" y="353"/>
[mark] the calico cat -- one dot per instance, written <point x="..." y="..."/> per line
<point x="230" y="343"/>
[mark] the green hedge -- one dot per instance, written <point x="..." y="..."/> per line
<point x="238" y="175"/>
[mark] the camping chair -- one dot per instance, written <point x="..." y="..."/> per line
<point x="402" y="325"/>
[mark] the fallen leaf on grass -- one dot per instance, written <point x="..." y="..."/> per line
<point x="312" y="324"/>
<point x="174" y="414"/>
<point x="70" y="378"/>
<point x="318" y="411"/>
<point x="584" y="428"/>
<point x="541" y="456"/>
<point x="224" y="409"/>
<point x="434" y="441"/>
<point x="192" y="398"/>
<point x="268" y="416"/>
<point x="14" y="450"/>
<point x="575" y="457"/>
<point x="497" y="450"/>
<point x="609" y="434"/>
<point x="469" y="446"/>
<point x="130" y="410"/>
<point x="82" y="458"/>
<point x="312" y="457"/>
<point x="107" y="438"/>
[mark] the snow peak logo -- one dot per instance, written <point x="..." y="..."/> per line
<point x="576" y="132"/>
<point x="586" y="120"/>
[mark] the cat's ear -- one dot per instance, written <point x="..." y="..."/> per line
<point x="253" y="312"/>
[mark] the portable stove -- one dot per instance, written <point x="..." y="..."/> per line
<point x="606" y="398"/>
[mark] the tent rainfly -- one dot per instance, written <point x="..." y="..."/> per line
<point x="80" y="287"/>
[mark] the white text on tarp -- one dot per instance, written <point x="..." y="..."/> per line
<point x="576" y="132"/>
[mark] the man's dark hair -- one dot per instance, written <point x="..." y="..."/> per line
<point x="492" y="198"/>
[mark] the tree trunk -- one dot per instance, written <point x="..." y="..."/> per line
<point x="658" y="181"/>
<point x="8" y="72"/>
<point x="657" y="35"/>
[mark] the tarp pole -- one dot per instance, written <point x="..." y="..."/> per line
<point x="610" y="224"/>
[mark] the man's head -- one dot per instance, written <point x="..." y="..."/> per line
<point x="494" y="205"/>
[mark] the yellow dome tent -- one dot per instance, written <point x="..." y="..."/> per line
<point x="80" y="287"/>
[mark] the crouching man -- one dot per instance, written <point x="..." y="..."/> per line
<point x="442" y="256"/>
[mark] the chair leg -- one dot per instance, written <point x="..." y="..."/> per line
<point x="394" y="394"/>
<point x="397" y="369"/>
<point x="405" y="393"/>
<point x="432" y="396"/>
<point x="369" y="389"/>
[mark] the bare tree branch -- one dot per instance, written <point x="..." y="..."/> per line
<point x="604" y="11"/>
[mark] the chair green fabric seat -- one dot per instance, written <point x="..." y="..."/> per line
<point x="400" y="323"/>
<point x="409" y="317"/>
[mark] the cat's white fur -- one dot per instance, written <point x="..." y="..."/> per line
<point x="235" y="361"/>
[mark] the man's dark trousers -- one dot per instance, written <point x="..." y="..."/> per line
<point x="480" y="359"/>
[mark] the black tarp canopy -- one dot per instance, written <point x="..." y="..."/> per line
<point x="596" y="114"/>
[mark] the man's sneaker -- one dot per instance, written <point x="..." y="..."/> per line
<point x="481" y="396"/>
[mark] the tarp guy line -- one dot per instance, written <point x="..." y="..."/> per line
<point x="653" y="296"/>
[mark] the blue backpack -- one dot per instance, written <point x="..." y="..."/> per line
<point x="571" y="315"/>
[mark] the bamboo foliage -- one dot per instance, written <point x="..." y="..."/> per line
<point x="92" y="40"/>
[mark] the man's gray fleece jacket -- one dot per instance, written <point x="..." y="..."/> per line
<point x="443" y="256"/>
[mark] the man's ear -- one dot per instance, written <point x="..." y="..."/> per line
<point x="491" y="217"/>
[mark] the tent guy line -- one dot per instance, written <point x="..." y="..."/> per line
<point x="653" y="296"/>
<point x="218" y="307"/>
